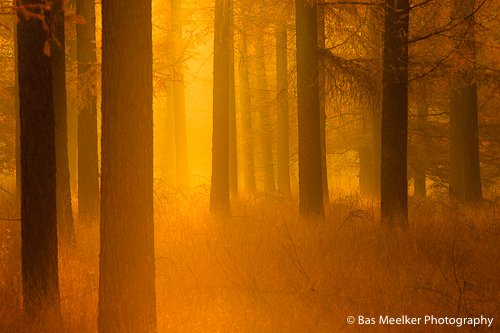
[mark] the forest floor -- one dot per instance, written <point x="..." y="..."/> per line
<point x="263" y="270"/>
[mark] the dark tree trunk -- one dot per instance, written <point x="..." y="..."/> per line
<point x="38" y="166"/>
<point x="181" y="157"/>
<point x="282" y="98"/>
<point x="394" y="186"/>
<point x="71" y="65"/>
<point x="246" y="119"/>
<point x="233" y="153"/>
<point x="58" y="58"/>
<point x="310" y="170"/>
<point x="88" y="164"/>
<point x="266" y="133"/>
<point x="465" y="178"/>
<point x="127" y="261"/>
<point x="322" y="100"/>
<point x="219" y="194"/>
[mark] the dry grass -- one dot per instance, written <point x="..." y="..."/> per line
<point x="263" y="270"/>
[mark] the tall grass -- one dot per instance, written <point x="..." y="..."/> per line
<point x="264" y="270"/>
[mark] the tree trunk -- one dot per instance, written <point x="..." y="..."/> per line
<point x="266" y="136"/>
<point x="233" y="156"/>
<point x="88" y="164"/>
<point x="219" y="194"/>
<point x="246" y="119"/>
<point x="310" y="170"/>
<point x="38" y="165"/>
<point x="58" y="58"/>
<point x="181" y="157"/>
<point x="282" y="98"/>
<point x="465" y="178"/>
<point x="322" y="100"/>
<point x="394" y="186"/>
<point x="127" y="261"/>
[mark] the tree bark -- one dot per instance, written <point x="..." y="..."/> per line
<point x="282" y="98"/>
<point x="38" y="164"/>
<point x="219" y="193"/>
<point x="127" y="261"/>
<point x="310" y="170"/>
<point x="58" y="58"/>
<point x="88" y="164"/>
<point x="394" y="186"/>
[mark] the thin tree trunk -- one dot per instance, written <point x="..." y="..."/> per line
<point x="310" y="170"/>
<point x="394" y="186"/>
<point x="282" y="98"/>
<point x="127" y="262"/>
<point x="181" y="156"/>
<point x="88" y="165"/>
<point x="39" y="252"/>
<point x="57" y="52"/>
<point x="246" y="119"/>
<point x="219" y="194"/>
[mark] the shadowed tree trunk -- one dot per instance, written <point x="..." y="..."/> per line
<point x="246" y="119"/>
<point x="322" y="105"/>
<point x="393" y="180"/>
<point x="310" y="171"/>
<point x="58" y="58"/>
<point x="38" y="165"/>
<point x="282" y="97"/>
<point x="181" y="157"/>
<point x="219" y="193"/>
<point x="127" y="261"/>
<point x="266" y="133"/>
<point x="233" y="157"/>
<point x="88" y="165"/>
<point x="465" y="178"/>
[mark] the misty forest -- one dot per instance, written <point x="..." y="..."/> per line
<point x="249" y="165"/>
